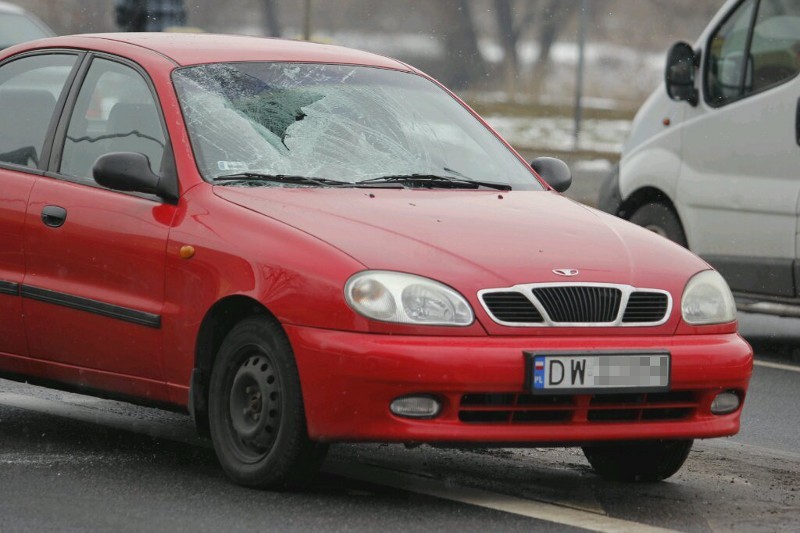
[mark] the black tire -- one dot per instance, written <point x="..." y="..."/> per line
<point x="646" y="461"/>
<point x="256" y="415"/>
<point x="661" y="219"/>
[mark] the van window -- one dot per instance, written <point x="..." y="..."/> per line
<point x="775" y="50"/>
<point x="770" y="43"/>
<point x="726" y="52"/>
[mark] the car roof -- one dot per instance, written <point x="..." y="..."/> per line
<point x="199" y="48"/>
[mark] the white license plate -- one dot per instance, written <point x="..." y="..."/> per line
<point x="620" y="372"/>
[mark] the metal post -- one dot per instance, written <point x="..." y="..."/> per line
<point x="307" y="21"/>
<point x="579" y="75"/>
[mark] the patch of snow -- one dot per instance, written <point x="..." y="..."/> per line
<point x="557" y="133"/>
<point x="593" y="165"/>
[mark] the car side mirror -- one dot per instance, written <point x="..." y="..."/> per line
<point x="127" y="171"/>
<point x="680" y="73"/>
<point x="554" y="172"/>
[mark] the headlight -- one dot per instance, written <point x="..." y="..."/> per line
<point x="406" y="299"/>
<point x="707" y="300"/>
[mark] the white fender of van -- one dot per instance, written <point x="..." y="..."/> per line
<point x="651" y="157"/>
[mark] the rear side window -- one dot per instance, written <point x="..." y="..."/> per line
<point x="749" y="54"/>
<point x="29" y="90"/>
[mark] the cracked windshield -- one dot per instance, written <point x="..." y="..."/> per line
<point x="340" y="123"/>
<point x="360" y="265"/>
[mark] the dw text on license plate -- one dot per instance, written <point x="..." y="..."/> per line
<point x="596" y="372"/>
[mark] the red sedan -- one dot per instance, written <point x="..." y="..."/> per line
<point x="302" y="244"/>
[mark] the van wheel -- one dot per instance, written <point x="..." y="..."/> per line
<point x="647" y="461"/>
<point x="660" y="219"/>
<point x="256" y="415"/>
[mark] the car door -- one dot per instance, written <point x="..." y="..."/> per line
<point x="31" y="88"/>
<point x="94" y="287"/>
<point x="739" y="185"/>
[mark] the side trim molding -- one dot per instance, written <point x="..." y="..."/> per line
<point x="9" y="287"/>
<point x="92" y="306"/>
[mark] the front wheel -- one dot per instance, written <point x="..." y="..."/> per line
<point x="646" y="461"/>
<point x="256" y="414"/>
<point x="661" y="219"/>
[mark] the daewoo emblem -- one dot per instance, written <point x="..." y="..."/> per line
<point x="568" y="272"/>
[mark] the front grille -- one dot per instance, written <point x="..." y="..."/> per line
<point x="591" y="304"/>
<point x="512" y="307"/>
<point x="645" y="307"/>
<point x="510" y="408"/>
<point x="579" y="303"/>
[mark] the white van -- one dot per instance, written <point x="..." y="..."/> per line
<point x="713" y="159"/>
<point x="18" y="26"/>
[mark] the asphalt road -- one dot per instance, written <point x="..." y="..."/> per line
<point x="70" y="462"/>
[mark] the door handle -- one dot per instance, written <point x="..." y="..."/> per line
<point x="54" y="216"/>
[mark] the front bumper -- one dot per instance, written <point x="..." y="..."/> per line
<point x="349" y="380"/>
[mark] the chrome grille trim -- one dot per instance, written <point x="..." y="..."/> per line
<point x="572" y="305"/>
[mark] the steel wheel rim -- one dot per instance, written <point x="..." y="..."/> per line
<point x="658" y="230"/>
<point x="254" y="413"/>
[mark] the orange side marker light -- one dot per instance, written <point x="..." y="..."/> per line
<point x="187" y="252"/>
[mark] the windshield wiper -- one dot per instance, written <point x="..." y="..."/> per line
<point x="435" y="181"/>
<point x="410" y="180"/>
<point x="281" y="178"/>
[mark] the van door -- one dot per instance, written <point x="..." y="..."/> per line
<point x="740" y="179"/>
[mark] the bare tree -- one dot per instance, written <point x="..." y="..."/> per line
<point x="461" y="41"/>
<point x="516" y="19"/>
<point x="271" y="22"/>
<point x="509" y="36"/>
<point x="552" y="20"/>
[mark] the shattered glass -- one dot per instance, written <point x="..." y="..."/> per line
<point x="338" y="122"/>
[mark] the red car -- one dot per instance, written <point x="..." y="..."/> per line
<point x="303" y="244"/>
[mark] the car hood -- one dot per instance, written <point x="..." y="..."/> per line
<point x="475" y="240"/>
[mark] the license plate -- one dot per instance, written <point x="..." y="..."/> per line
<point x="597" y="373"/>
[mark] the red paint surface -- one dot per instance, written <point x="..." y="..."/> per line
<point x="16" y="187"/>
<point x="350" y="379"/>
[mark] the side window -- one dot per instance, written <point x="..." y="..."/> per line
<point x="115" y="112"/>
<point x="775" y="51"/>
<point x="726" y="78"/>
<point x="29" y="90"/>
<point x="748" y="56"/>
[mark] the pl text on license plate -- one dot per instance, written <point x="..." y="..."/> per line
<point x="586" y="373"/>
